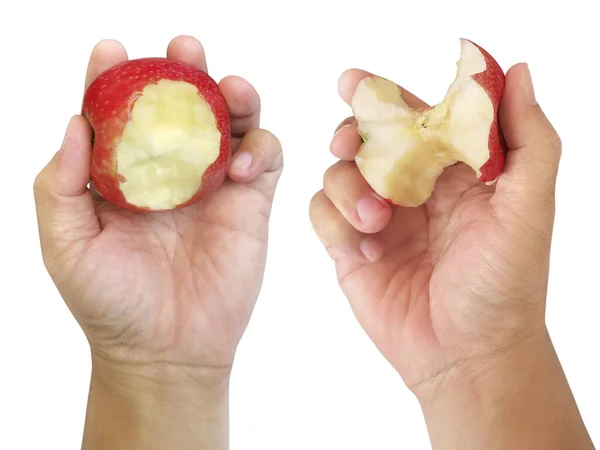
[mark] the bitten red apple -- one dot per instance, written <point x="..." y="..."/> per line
<point x="161" y="134"/>
<point x="405" y="150"/>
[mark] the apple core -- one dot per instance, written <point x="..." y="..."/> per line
<point x="405" y="150"/>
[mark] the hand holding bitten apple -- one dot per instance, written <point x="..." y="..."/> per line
<point x="451" y="285"/>
<point x="163" y="297"/>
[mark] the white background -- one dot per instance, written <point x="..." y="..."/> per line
<point x="306" y="376"/>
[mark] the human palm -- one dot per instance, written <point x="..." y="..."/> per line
<point x="439" y="290"/>
<point x="463" y="275"/>
<point x="174" y="282"/>
<point x="171" y="286"/>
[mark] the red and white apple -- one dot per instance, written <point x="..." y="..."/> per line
<point x="405" y="150"/>
<point x="161" y="134"/>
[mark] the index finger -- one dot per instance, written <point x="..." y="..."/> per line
<point x="349" y="80"/>
<point x="346" y="141"/>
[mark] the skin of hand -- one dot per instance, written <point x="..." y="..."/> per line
<point x="167" y="295"/>
<point x="451" y="290"/>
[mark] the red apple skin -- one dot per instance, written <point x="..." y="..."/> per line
<point x="107" y="106"/>
<point x="492" y="80"/>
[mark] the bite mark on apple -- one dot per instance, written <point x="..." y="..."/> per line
<point x="169" y="142"/>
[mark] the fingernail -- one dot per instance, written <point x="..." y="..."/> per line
<point x="242" y="162"/>
<point x="368" y="208"/>
<point x="371" y="249"/>
<point x="343" y="127"/>
<point x="527" y="84"/>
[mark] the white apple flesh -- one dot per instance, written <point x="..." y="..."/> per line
<point x="405" y="150"/>
<point x="158" y="151"/>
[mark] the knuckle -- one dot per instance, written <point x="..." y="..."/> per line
<point x="274" y="146"/>
<point x="343" y="177"/>
<point x="39" y="183"/>
<point x="551" y="141"/>
<point x="42" y="189"/>
<point x="327" y="178"/>
<point x="268" y="140"/>
<point x="328" y="174"/>
<point x="318" y="204"/>
<point x="332" y="173"/>
<point x="275" y="143"/>
<point x="269" y="148"/>
<point x="556" y="146"/>
<point x="278" y="161"/>
<point x="317" y="199"/>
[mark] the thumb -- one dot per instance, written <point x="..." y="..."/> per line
<point x="65" y="209"/>
<point x="534" y="147"/>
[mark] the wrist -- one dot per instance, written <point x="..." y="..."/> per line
<point x="158" y="405"/>
<point x="159" y="378"/>
<point x="517" y="398"/>
<point x="481" y="380"/>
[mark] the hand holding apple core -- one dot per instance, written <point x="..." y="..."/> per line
<point x="161" y="134"/>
